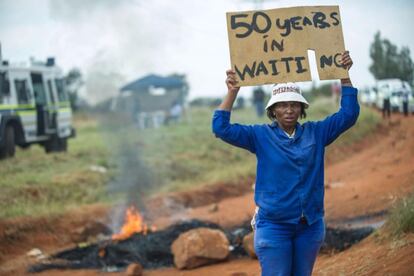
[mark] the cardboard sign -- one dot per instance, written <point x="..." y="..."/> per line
<point x="270" y="46"/>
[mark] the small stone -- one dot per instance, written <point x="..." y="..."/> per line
<point x="89" y="231"/>
<point x="213" y="208"/>
<point x="42" y="257"/>
<point x="248" y="245"/>
<point x="35" y="252"/>
<point x="98" y="169"/>
<point x="134" y="270"/>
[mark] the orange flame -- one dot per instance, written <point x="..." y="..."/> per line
<point x="134" y="223"/>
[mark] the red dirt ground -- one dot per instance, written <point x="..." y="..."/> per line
<point x="373" y="175"/>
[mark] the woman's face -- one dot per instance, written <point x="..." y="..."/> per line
<point x="287" y="113"/>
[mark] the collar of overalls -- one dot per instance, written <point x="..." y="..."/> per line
<point x="281" y="133"/>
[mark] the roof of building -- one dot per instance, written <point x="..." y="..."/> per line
<point x="154" y="81"/>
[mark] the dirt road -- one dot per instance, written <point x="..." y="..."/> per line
<point x="377" y="173"/>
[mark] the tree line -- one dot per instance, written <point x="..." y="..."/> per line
<point x="390" y="62"/>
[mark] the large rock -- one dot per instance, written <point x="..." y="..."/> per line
<point x="199" y="247"/>
<point x="134" y="270"/>
<point x="248" y="245"/>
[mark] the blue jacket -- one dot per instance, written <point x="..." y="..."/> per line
<point x="290" y="171"/>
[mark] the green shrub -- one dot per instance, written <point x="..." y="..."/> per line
<point x="401" y="219"/>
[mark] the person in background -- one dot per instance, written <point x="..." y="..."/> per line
<point x="258" y="101"/>
<point x="386" y="105"/>
<point x="405" y="103"/>
<point x="239" y="103"/>
<point x="175" y="113"/>
<point x="289" y="190"/>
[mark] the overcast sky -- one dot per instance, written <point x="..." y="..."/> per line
<point x="114" y="42"/>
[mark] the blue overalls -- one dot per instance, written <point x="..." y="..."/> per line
<point x="289" y="187"/>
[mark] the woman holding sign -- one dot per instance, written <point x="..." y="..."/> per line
<point x="289" y="192"/>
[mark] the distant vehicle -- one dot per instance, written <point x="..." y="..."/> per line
<point x="395" y="89"/>
<point x="34" y="108"/>
<point x="368" y="96"/>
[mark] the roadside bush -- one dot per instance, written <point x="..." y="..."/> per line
<point x="401" y="219"/>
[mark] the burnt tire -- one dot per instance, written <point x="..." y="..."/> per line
<point x="63" y="144"/>
<point x="56" y="144"/>
<point x="9" y="146"/>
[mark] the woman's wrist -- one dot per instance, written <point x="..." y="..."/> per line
<point x="228" y="100"/>
<point x="346" y="82"/>
<point x="232" y="93"/>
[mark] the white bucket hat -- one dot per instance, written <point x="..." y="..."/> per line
<point x="286" y="92"/>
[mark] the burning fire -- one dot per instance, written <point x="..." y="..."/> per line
<point x="134" y="223"/>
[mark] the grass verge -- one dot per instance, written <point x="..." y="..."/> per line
<point x="35" y="183"/>
<point x="401" y="219"/>
<point x="138" y="162"/>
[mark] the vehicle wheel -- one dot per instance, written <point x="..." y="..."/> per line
<point x="9" y="148"/>
<point x="2" y="153"/>
<point x="56" y="144"/>
<point x="25" y="146"/>
<point x="52" y="144"/>
<point x="63" y="144"/>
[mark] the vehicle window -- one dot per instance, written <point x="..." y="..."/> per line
<point x="52" y="95"/>
<point x="62" y="97"/>
<point x="22" y="91"/>
<point x="38" y="89"/>
<point x="4" y="86"/>
<point x="40" y="96"/>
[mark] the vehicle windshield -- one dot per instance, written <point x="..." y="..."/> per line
<point x="62" y="96"/>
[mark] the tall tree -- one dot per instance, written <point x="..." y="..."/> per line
<point x="388" y="62"/>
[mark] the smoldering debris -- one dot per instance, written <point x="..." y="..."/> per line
<point x="151" y="250"/>
<point x="154" y="249"/>
<point x="339" y="239"/>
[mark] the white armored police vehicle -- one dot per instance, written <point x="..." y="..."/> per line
<point x="34" y="108"/>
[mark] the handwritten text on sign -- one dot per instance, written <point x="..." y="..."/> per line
<point x="271" y="46"/>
